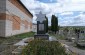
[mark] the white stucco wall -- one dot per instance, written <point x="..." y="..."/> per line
<point x="2" y="6"/>
<point x="2" y="22"/>
<point x="9" y="31"/>
<point x="2" y="28"/>
<point x="6" y="25"/>
<point x="8" y="28"/>
<point x="11" y="9"/>
<point x="34" y="28"/>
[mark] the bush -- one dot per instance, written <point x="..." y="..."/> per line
<point x="38" y="47"/>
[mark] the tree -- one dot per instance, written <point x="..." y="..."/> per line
<point x="54" y="23"/>
<point x="46" y="24"/>
<point x="49" y="28"/>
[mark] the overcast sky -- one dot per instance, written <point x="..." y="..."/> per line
<point x="69" y="12"/>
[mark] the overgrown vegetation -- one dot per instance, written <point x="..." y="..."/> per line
<point x="41" y="47"/>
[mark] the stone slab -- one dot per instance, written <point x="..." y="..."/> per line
<point x="41" y="36"/>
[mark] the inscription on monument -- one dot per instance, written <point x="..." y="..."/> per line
<point x="41" y="27"/>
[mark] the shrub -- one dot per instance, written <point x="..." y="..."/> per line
<point x="41" y="47"/>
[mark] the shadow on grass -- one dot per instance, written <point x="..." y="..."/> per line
<point x="80" y="47"/>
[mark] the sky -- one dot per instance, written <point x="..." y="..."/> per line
<point x="69" y="12"/>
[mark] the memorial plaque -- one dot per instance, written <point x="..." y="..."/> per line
<point x="41" y="27"/>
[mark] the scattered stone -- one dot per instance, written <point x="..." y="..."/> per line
<point x="29" y="39"/>
<point x="24" y="41"/>
<point x="52" y="38"/>
<point x="18" y="50"/>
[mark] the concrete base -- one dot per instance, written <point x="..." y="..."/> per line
<point x="41" y="36"/>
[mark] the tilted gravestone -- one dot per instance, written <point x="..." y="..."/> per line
<point x="41" y="28"/>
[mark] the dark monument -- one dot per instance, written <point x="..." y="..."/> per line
<point x="41" y="32"/>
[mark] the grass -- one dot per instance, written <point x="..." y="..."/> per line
<point x="7" y="43"/>
<point x="58" y="36"/>
<point x="41" y="47"/>
<point x="24" y="35"/>
<point x="16" y="37"/>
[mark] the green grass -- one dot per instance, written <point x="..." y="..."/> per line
<point x="16" y="38"/>
<point x="24" y="35"/>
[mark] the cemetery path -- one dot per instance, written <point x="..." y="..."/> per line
<point x="72" y="48"/>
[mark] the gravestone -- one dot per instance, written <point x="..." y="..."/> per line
<point x="81" y="35"/>
<point x="41" y="28"/>
<point x="81" y="40"/>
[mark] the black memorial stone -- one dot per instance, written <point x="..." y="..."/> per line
<point x="41" y="32"/>
<point x="41" y="28"/>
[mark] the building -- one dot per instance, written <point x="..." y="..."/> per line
<point x="15" y="18"/>
<point x="34" y="27"/>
